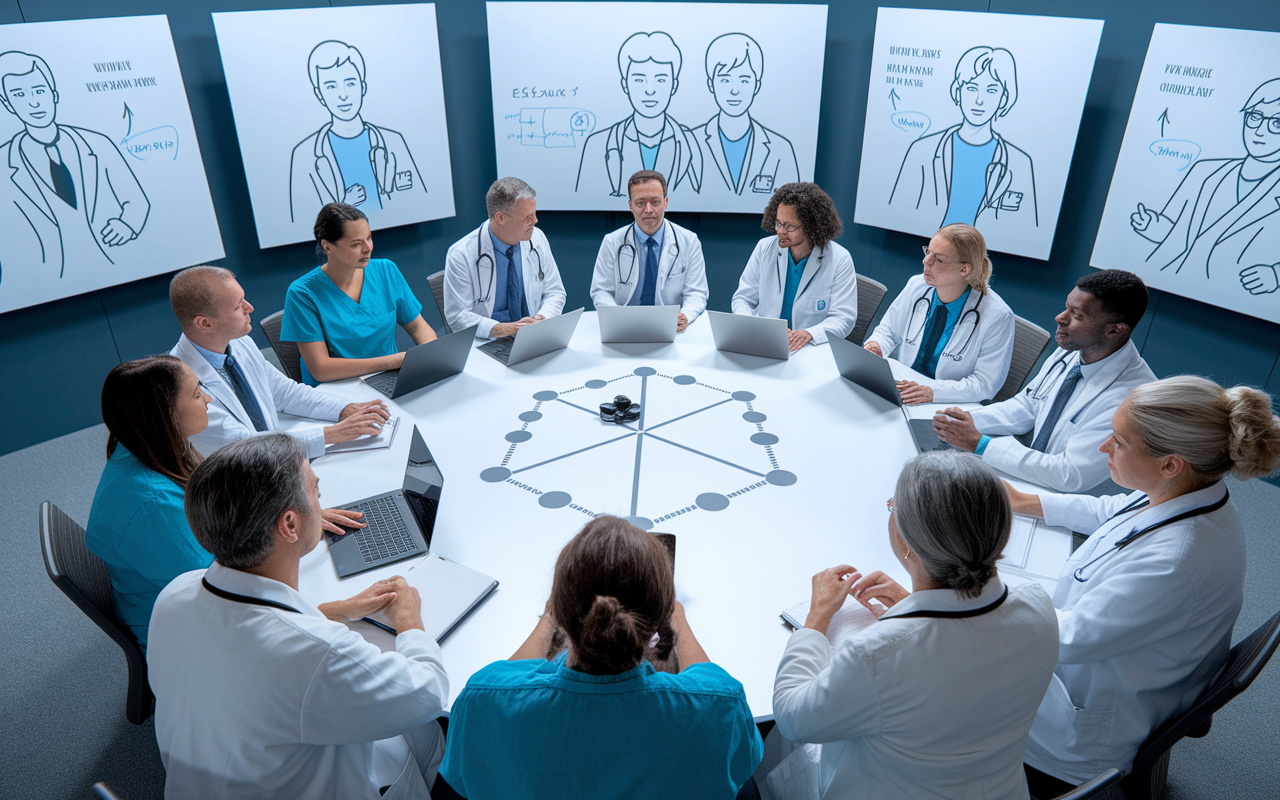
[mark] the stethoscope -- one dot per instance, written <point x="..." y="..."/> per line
<point x="481" y="256"/>
<point x="1041" y="392"/>
<point x="1136" y="534"/>
<point x="635" y="256"/>
<point x="822" y="252"/>
<point x="925" y="298"/>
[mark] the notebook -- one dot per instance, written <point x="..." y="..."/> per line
<point x="449" y="593"/>
<point x="851" y="618"/>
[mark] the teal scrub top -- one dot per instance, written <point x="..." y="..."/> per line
<point x="952" y="310"/>
<point x="795" y="271"/>
<point x="538" y="730"/>
<point x="138" y="527"/>
<point x="316" y="310"/>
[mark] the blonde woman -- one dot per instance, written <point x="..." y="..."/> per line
<point x="1146" y="605"/>
<point x="948" y="325"/>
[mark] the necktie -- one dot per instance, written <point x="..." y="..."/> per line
<point x="649" y="289"/>
<point x="240" y="385"/>
<point x="515" y="288"/>
<point x="924" y="357"/>
<point x="60" y="176"/>
<point x="1059" y="403"/>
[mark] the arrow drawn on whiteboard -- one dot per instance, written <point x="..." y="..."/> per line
<point x="1163" y="119"/>
<point x="129" y="114"/>
<point x="894" y="98"/>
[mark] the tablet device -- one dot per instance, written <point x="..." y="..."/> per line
<point x="638" y="323"/>
<point x="425" y="364"/>
<point x="753" y="336"/>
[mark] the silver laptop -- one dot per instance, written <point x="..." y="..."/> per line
<point x="425" y="364"/>
<point x="873" y="373"/>
<point x="532" y="341"/>
<point x="638" y="323"/>
<point x="754" y="336"/>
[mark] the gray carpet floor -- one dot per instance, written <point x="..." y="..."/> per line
<point x="62" y="723"/>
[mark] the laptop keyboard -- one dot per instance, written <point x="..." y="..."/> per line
<point x="499" y="348"/>
<point x="386" y="534"/>
<point x="384" y="382"/>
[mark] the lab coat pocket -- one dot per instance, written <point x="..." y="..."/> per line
<point x="409" y="783"/>
<point x="1083" y="734"/>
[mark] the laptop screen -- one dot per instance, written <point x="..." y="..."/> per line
<point x="422" y="475"/>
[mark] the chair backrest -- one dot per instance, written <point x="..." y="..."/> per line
<point x="287" y="352"/>
<point x="870" y="293"/>
<point x="436" y="282"/>
<point x="1150" y="767"/>
<point x="1029" y="340"/>
<point x="83" y="577"/>
<point x="1092" y="788"/>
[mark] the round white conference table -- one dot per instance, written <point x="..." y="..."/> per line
<point x="766" y="471"/>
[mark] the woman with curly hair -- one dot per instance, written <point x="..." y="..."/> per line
<point x="799" y="274"/>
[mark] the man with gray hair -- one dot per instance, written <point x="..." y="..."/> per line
<point x="247" y="391"/>
<point x="260" y="693"/>
<point x="502" y="276"/>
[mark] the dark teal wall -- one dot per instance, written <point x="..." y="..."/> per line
<point x="53" y="357"/>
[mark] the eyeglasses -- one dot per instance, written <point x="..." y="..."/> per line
<point x="786" y="226"/>
<point x="936" y="258"/>
<point x="643" y="204"/>
<point x="1254" y="119"/>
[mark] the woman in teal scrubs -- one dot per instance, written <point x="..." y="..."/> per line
<point x="343" y="314"/>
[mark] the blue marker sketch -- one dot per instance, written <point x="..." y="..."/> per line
<point x="1181" y="151"/>
<point x="553" y="127"/>
<point x="915" y="123"/>
<point x="161" y="141"/>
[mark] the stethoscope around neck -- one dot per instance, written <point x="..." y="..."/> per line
<point x="1136" y="534"/>
<point x="954" y="355"/>
<point x="482" y="256"/>
<point x="821" y="253"/>
<point x="635" y="255"/>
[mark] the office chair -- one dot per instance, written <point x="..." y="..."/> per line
<point x="287" y="352"/>
<point x="1029" y="340"/>
<point x="436" y="282"/>
<point x="1092" y="788"/>
<point x="1151" y="766"/>
<point x="83" y="577"/>
<point x="870" y="293"/>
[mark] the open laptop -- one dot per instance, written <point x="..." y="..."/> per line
<point x="754" y="336"/>
<point x="638" y="323"/>
<point x="425" y="364"/>
<point x="399" y="522"/>
<point x="532" y="341"/>
<point x="872" y="372"/>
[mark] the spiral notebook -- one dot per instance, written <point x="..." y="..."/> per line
<point x="449" y="593"/>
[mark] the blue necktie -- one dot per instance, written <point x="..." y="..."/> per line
<point x="924" y="357"/>
<point x="1059" y="403"/>
<point x="650" y="273"/>
<point x="515" y="288"/>
<point x="240" y="385"/>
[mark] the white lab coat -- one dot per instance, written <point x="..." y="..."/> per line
<point x="826" y="301"/>
<point x="923" y="707"/>
<point x="274" y="391"/>
<point x="470" y="281"/>
<point x="682" y="275"/>
<point x="975" y="362"/>
<point x="1071" y="461"/>
<point x="258" y="702"/>
<point x="1144" y="634"/>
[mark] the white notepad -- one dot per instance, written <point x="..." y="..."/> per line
<point x="449" y="592"/>
<point x="380" y="442"/>
<point x="851" y="618"/>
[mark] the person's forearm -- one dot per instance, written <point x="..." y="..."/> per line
<point x="335" y="369"/>
<point x="688" y="651"/>
<point x="538" y="642"/>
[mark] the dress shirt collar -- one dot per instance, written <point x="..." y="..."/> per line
<point x="642" y="238"/>
<point x="1087" y="371"/>
<point x="238" y="582"/>
<point x="500" y="248"/>
<point x="953" y="308"/>
<point x="947" y="600"/>
<point x="216" y="360"/>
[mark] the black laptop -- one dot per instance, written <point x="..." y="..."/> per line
<point x="873" y="373"/>
<point x="425" y="364"/>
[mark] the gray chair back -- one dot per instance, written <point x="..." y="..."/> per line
<point x="1093" y="787"/>
<point x="287" y="352"/>
<point x="83" y="578"/>
<point x="870" y="293"/>
<point x="436" y="282"/>
<point x="1029" y="340"/>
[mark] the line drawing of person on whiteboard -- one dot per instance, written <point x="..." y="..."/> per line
<point x="649" y="64"/>
<point x="1222" y="217"/>
<point x="348" y="160"/>
<point x="744" y="152"/>
<point x="968" y="172"/>
<point x="68" y="196"/>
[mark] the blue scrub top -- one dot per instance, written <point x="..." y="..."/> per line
<point x="795" y="271"/>
<point x="316" y="310"/>
<point x="138" y="527"/>
<point x="968" y="179"/>
<point x="538" y="730"/>
<point x="355" y="166"/>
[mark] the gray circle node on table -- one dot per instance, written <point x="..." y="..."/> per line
<point x="684" y="380"/>
<point x="643" y="523"/>
<point x="531" y="416"/>
<point x="597" y="384"/>
<point x="645" y="372"/>
<point x="764" y="438"/>
<point x="780" y="477"/>
<point x="546" y="396"/>
<point x="712" y="501"/>
<point x="495" y="474"/>
<point x="753" y="416"/>
<point x="555" y="500"/>
<point x="519" y="436"/>
<point x="743" y="397"/>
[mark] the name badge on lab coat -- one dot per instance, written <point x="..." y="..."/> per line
<point x="820" y="305"/>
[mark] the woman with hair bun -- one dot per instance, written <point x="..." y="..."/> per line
<point x="1146" y="606"/>
<point x="948" y="324"/>
<point x="597" y="720"/>
<point x="935" y="699"/>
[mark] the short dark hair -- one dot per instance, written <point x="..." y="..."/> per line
<point x="1122" y="294"/>
<point x="237" y="495"/>
<point x="815" y="208"/>
<point x="644" y="176"/>
<point x="331" y="223"/>
<point x="138" y="402"/>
